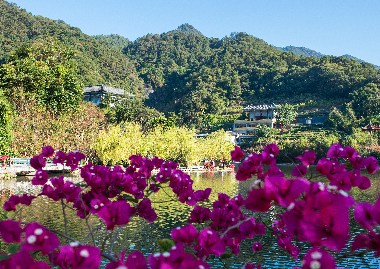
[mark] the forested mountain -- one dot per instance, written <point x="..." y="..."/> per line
<point x="301" y="51"/>
<point x="97" y="62"/>
<point x="187" y="28"/>
<point x="308" y="52"/>
<point x="199" y="76"/>
<point x="201" y="79"/>
<point x="359" y="60"/>
<point x="117" y="41"/>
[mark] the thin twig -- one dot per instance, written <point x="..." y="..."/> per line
<point x="235" y="226"/>
<point x="114" y="239"/>
<point x="85" y="217"/>
<point x="93" y="230"/>
<point x="64" y="217"/>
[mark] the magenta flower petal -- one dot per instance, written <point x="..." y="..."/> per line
<point x="37" y="162"/>
<point x="335" y="151"/>
<point x="116" y="213"/>
<point x="237" y="154"/>
<point x="10" y="231"/>
<point x="185" y="235"/>
<point x="299" y="171"/>
<point x="47" y="152"/>
<point x="39" y="238"/>
<point x="318" y="258"/>
<point x="40" y="178"/>
<point x="258" y="200"/>
<point x="272" y="148"/>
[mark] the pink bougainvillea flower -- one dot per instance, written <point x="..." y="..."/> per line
<point x="78" y="257"/>
<point x="272" y="148"/>
<point x="299" y="171"/>
<point x="209" y="241"/>
<point x="135" y="260"/>
<point x="324" y="166"/>
<point x="157" y="162"/>
<point x="47" y="152"/>
<point x="202" y="195"/>
<point x="367" y="215"/>
<point x="258" y="200"/>
<point x="73" y="159"/>
<point x="40" y="178"/>
<point x="22" y="259"/>
<point x="60" y="157"/>
<point x="136" y="160"/>
<point x="237" y="201"/>
<point x="199" y="215"/>
<point x="39" y="238"/>
<point x="12" y="202"/>
<point x="251" y="228"/>
<point x="10" y="231"/>
<point x="116" y="213"/>
<point x="268" y="158"/>
<point x="243" y="172"/>
<point x="285" y="191"/>
<point x="145" y="210"/>
<point x="185" y="235"/>
<point x="26" y="199"/>
<point x="371" y="242"/>
<point x="307" y="158"/>
<point x="335" y="151"/>
<point x="372" y="165"/>
<point x="318" y="258"/>
<point x="237" y="154"/>
<point x="37" y="162"/>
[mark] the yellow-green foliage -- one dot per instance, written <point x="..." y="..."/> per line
<point x="118" y="143"/>
<point x="178" y="144"/>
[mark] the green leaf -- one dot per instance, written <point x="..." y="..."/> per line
<point x="166" y="244"/>
<point x="14" y="248"/>
<point x="225" y="256"/>
<point x="130" y="198"/>
<point x="80" y="185"/>
<point x="3" y="257"/>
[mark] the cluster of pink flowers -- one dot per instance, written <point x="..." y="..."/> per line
<point x="208" y="166"/>
<point x="312" y="211"/>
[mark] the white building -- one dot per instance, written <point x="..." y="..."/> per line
<point x="258" y="115"/>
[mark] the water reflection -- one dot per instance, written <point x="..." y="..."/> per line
<point x="139" y="235"/>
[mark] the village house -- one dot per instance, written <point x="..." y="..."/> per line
<point x="258" y="116"/>
<point x="95" y="93"/>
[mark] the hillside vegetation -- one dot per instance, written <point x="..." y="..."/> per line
<point x="202" y="82"/>
<point x="97" y="62"/>
<point x="196" y="76"/>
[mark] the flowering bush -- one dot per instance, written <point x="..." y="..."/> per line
<point x="208" y="166"/>
<point x="4" y="160"/>
<point x="312" y="211"/>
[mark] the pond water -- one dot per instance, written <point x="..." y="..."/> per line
<point x="139" y="235"/>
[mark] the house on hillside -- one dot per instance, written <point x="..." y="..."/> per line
<point x="258" y="116"/>
<point x="94" y="93"/>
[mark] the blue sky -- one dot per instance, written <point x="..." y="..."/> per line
<point x="332" y="27"/>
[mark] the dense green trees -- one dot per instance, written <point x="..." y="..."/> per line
<point x="126" y="109"/>
<point x="45" y="72"/>
<point x="199" y="76"/>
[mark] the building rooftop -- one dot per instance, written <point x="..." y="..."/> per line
<point x="104" y="88"/>
<point x="259" y="107"/>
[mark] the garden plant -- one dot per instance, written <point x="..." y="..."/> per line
<point x="312" y="211"/>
